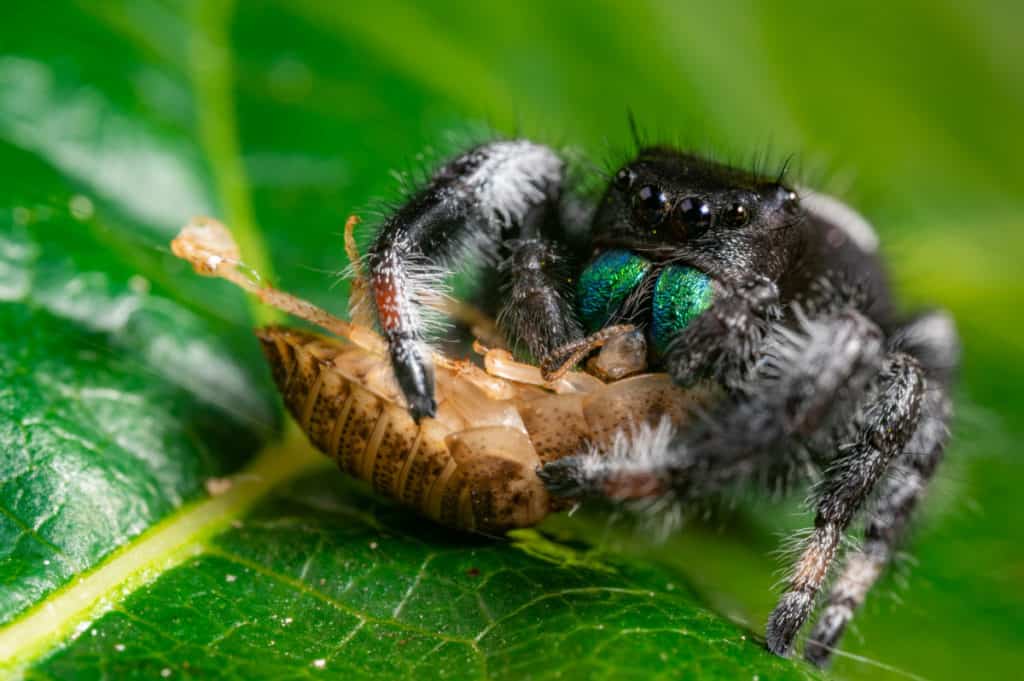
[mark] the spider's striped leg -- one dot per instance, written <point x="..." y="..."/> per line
<point x="470" y="206"/>
<point x="886" y="418"/>
<point x="933" y="341"/>
<point x="829" y="368"/>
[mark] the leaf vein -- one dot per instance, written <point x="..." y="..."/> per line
<point x="319" y="595"/>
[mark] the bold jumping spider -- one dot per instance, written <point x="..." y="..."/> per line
<point x="777" y="294"/>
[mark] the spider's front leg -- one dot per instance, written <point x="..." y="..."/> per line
<point x="485" y="198"/>
<point x="809" y="381"/>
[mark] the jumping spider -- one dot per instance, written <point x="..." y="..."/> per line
<point x="775" y="293"/>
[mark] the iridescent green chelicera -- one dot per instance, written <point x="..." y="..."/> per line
<point x="681" y="294"/>
<point x="605" y="284"/>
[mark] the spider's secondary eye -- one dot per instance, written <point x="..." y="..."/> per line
<point x="624" y="179"/>
<point x="694" y="215"/>
<point x="606" y="283"/>
<point x="649" y="205"/>
<point x="790" y="200"/>
<point x="737" y="215"/>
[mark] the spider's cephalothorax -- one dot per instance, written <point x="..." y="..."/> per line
<point x="775" y="293"/>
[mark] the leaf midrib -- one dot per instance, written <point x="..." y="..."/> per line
<point x="185" y="532"/>
<point x="167" y="544"/>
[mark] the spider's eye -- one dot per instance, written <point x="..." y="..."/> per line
<point x="736" y="215"/>
<point x="624" y="179"/>
<point x="694" y="215"/>
<point x="790" y="200"/>
<point x="649" y="205"/>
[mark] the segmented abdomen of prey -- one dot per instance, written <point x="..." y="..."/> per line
<point x="473" y="467"/>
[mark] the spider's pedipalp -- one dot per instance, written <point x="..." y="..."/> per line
<point x="537" y="307"/>
<point x="725" y="342"/>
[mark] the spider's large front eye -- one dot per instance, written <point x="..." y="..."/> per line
<point x="694" y="215"/>
<point x="606" y="283"/>
<point x="650" y="205"/>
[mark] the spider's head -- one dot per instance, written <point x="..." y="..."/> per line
<point x="659" y="210"/>
<point x="665" y="197"/>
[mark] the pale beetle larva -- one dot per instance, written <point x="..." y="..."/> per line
<point x="472" y="466"/>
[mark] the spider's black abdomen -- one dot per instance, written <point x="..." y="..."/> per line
<point x="837" y="257"/>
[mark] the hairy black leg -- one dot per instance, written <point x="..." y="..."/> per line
<point x="932" y="339"/>
<point x="723" y="343"/>
<point x="884" y="423"/>
<point x="805" y="379"/>
<point x="471" y="204"/>
<point x="805" y="376"/>
<point x="537" y="307"/>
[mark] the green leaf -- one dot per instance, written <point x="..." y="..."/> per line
<point x="131" y="389"/>
<point x="322" y="581"/>
<point x="117" y="402"/>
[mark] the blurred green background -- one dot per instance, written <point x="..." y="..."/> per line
<point x="283" y="117"/>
